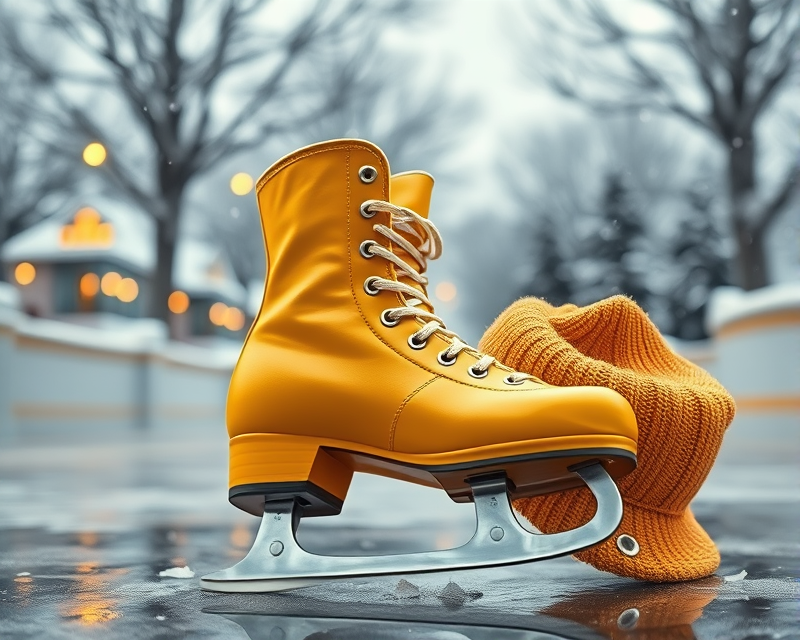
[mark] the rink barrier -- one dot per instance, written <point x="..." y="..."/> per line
<point x="60" y="382"/>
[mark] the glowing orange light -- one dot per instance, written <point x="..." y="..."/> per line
<point x="242" y="184"/>
<point x="178" y="302"/>
<point x="217" y="313"/>
<point x="109" y="283"/>
<point x="88" y="538"/>
<point x="25" y="273"/>
<point x="241" y="536"/>
<point x="127" y="290"/>
<point x="86" y="567"/>
<point x="89" y="285"/>
<point x="94" y="154"/>
<point x="234" y="319"/>
<point x="87" y="228"/>
<point x="446" y="291"/>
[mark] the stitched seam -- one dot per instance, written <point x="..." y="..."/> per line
<point x="402" y="406"/>
<point x="295" y="158"/>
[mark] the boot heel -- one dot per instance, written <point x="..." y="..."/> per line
<point x="269" y="467"/>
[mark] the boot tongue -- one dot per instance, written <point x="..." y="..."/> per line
<point x="411" y="190"/>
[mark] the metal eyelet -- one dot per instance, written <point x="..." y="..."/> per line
<point x="365" y="212"/>
<point x="367" y="174"/>
<point x="368" y="286"/>
<point x="444" y="361"/>
<point x="363" y="249"/>
<point x="512" y="382"/>
<point x="386" y="321"/>
<point x="415" y="344"/>
<point x="477" y="374"/>
<point x="628" y="545"/>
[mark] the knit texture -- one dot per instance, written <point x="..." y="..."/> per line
<point x="682" y="413"/>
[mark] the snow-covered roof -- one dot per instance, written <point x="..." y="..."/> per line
<point x="200" y="269"/>
<point x="131" y="244"/>
<point x="729" y="304"/>
<point x="203" y="270"/>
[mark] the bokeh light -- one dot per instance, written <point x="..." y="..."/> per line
<point x="89" y="285"/>
<point x="127" y="290"/>
<point x="178" y="302"/>
<point x="446" y="291"/>
<point x="25" y="273"/>
<point x="217" y="313"/>
<point x="242" y="184"/>
<point x="234" y="319"/>
<point x="94" y="154"/>
<point x="109" y="282"/>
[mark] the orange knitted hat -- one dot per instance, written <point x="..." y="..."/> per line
<point x="682" y="414"/>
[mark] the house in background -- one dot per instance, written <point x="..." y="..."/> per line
<point x="93" y="263"/>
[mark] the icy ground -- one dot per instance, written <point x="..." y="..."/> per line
<point x="86" y="530"/>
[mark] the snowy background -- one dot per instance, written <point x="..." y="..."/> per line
<point x="580" y="149"/>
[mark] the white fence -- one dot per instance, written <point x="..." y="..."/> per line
<point x="756" y="355"/>
<point x="59" y="381"/>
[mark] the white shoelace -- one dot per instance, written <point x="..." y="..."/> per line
<point x="430" y="247"/>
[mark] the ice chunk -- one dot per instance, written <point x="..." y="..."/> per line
<point x="736" y="578"/>
<point x="405" y="590"/>
<point x="177" y="572"/>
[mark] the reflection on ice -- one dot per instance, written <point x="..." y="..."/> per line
<point x="269" y="627"/>
<point x="90" y="601"/>
<point x="620" y="611"/>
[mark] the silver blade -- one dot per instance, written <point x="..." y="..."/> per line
<point x="276" y="562"/>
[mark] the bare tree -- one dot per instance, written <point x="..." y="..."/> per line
<point x="720" y="66"/>
<point x="372" y="93"/>
<point x="30" y="173"/>
<point x="415" y="123"/>
<point x="199" y="82"/>
<point x="579" y="242"/>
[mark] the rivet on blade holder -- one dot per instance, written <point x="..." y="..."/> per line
<point x="276" y="548"/>
<point x="497" y="533"/>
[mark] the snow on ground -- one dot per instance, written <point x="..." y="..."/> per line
<point x="729" y="304"/>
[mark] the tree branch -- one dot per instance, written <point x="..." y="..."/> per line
<point x="779" y="200"/>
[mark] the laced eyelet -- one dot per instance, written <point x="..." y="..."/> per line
<point x="367" y="174"/>
<point x="414" y="343"/>
<point x="477" y="374"/>
<point x="365" y="212"/>
<point x="368" y="286"/>
<point x="363" y="249"/>
<point x="386" y="321"/>
<point x="511" y="381"/>
<point x="443" y="360"/>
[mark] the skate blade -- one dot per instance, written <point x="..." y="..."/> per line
<point x="276" y="562"/>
